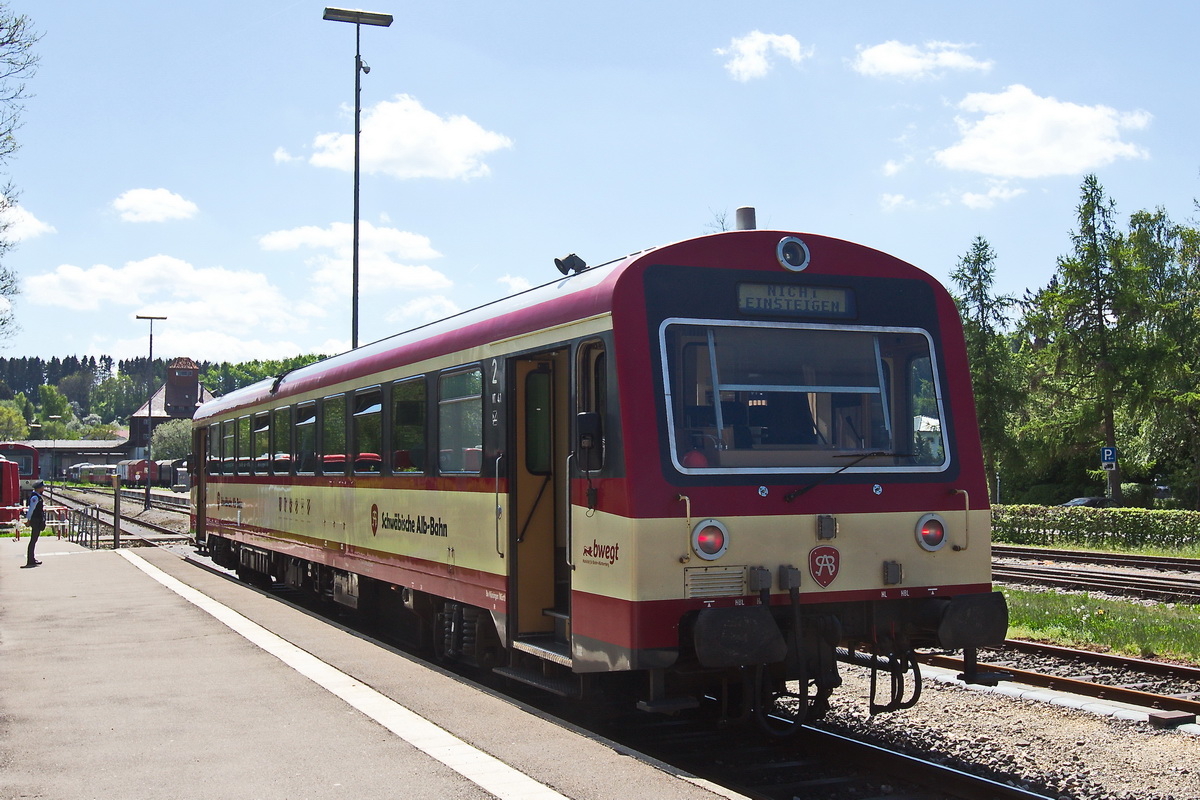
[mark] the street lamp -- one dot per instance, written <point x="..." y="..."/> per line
<point x="359" y="18"/>
<point x="149" y="404"/>
<point x="54" y="456"/>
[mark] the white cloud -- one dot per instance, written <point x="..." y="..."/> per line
<point x="891" y="168"/>
<point x="897" y="60"/>
<point x="153" y="205"/>
<point x="282" y="156"/>
<point x="383" y="257"/>
<point x="515" y="283"/>
<point x="1021" y="135"/>
<point x="999" y="191"/>
<point x="248" y="299"/>
<point x="422" y="310"/>
<point x="402" y="139"/>
<point x="195" y="326"/>
<point x="749" y="55"/>
<point x="22" y="225"/>
<point x="200" y="344"/>
<point x="894" y="202"/>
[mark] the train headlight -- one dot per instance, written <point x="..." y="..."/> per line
<point x="792" y="253"/>
<point x="931" y="532"/>
<point x="710" y="539"/>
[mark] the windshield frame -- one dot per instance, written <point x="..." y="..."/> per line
<point x="854" y="460"/>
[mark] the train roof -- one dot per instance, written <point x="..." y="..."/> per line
<point x="572" y="297"/>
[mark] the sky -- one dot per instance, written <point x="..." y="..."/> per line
<point x="195" y="160"/>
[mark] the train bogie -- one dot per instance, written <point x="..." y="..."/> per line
<point x="694" y="462"/>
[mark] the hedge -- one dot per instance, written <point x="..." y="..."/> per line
<point x="1096" y="528"/>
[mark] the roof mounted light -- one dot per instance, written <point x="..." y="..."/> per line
<point x="792" y="254"/>
<point x="568" y="264"/>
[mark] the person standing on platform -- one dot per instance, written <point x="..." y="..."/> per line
<point x="35" y="518"/>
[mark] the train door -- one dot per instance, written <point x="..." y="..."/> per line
<point x="541" y="578"/>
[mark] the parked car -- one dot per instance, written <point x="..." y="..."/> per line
<point x="1090" y="502"/>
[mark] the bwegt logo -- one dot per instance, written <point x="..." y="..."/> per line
<point x="602" y="552"/>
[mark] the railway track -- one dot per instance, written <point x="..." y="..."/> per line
<point x="1127" y="560"/>
<point x="816" y="763"/>
<point x="134" y="530"/>
<point x="1153" y="577"/>
<point x="164" y="502"/>
<point x="1172" y="690"/>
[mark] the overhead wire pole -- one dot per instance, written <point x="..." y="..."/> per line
<point x="149" y="405"/>
<point x="359" y="18"/>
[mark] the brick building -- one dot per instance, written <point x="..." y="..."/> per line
<point x="175" y="399"/>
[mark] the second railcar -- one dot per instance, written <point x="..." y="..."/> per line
<point x="26" y="458"/>
<point x="100" y="474"/>
<point x="725" y="464"/>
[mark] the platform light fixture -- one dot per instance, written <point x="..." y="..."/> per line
<point x="359" y="18"/>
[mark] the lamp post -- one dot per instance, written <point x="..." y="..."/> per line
<point x="359" y="18"/>
<point x="54" y="457"/>
<point x="149" y="404"/>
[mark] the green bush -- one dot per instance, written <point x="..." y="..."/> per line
<point x="1096" y="528"/>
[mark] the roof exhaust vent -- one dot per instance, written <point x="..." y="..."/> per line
<point x="745" y="219"/>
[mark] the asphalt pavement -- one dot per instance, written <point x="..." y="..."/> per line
<point x="136" y="674"/>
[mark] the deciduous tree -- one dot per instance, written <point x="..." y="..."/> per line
<point x="17" y="63"/>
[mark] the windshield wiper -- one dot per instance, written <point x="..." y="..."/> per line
<point x="797" y="492"/>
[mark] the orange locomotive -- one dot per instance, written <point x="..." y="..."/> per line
<point x="719" y="466"/>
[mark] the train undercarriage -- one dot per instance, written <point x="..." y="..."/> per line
<point x="773" y="666"/>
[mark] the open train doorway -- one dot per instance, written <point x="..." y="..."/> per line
<point x="541" y="577"/>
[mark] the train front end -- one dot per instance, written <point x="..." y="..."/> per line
<point x="804" y="484"/>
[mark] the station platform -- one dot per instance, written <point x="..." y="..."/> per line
<point x="137" y="674"/>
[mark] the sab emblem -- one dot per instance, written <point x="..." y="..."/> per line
<point x="823" y="564"/>
<point x="374" y="519"/>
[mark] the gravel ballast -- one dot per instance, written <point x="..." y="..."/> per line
<point x="1062" y="752"/>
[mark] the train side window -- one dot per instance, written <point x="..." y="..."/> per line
<point x="228" y="449"/>
<point x="281" y="441"/>
<point x="408" y="426"/>
<point x="368" y="431"/>
<point x="260" y="450"/>
<point x="304" y="455"/>
<point x="245" y="458"/>
<point x="333" y="435"/>
<point x="460" y="421"/>
<point x="213" y="464"/>
<point x="592" y="395"/>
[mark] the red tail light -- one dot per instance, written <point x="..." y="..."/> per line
<point x="710" y="539"/>
<point x="931" y="532"/>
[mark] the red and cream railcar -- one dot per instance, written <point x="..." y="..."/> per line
<point x="137" y="471"/>
<point x="736" y="460"/>
<point x="26" y="458"/>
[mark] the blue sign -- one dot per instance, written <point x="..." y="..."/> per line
<point x="1108" y="455"/>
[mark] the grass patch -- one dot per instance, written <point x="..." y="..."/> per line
<point x="1161" y="630"/>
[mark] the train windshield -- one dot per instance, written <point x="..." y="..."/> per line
<point x="755" y="397"/>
